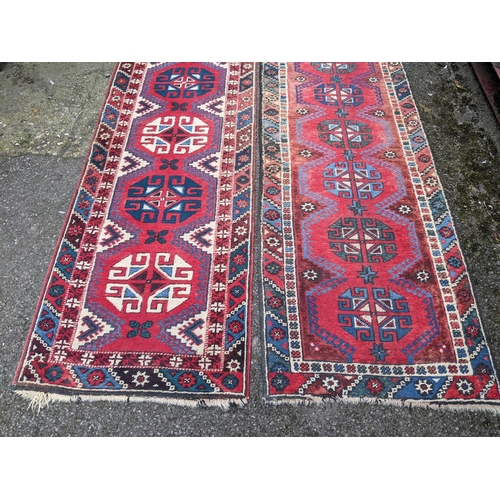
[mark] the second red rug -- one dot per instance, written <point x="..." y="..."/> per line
<point x="365" y="289"/>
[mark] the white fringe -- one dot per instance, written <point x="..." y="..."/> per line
<point x="318" y="400"/>
<point x="39" y="400"/>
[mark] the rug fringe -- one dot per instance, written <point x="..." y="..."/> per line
<point x="318" y="400"/>
<point x="40" y="400"/>
<point x="37" y="400"/>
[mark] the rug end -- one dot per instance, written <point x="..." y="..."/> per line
<point x="318" y="400"/>
<point x="39" y="400"/>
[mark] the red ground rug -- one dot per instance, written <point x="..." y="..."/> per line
<point x="148" y="295"/>
<point x="365" y="289"/>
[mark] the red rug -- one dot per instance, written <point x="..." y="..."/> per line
<point x="148" y="295"/>
<point x="366" y="293"/>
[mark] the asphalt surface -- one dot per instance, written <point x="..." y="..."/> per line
<point x="47" y="115"/>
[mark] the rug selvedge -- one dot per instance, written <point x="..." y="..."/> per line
<point x="366" y="293"/>
<point x="149" y="291"/>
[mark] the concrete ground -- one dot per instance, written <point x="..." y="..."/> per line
<point x="47" y="115"/>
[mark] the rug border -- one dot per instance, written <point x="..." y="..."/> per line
<point x="64" y="227"/>
<point x="459" y="243"/>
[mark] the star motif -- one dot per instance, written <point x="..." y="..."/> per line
<point x="367" y="274"/>
<point x="357" y="208"/>
<point x="348" y="154"/>
<point x="379" y="352"/>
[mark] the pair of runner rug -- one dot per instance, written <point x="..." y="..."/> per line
<point x="312" y="183"/>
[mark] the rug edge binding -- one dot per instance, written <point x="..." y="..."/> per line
<point x="451" y="215"/>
